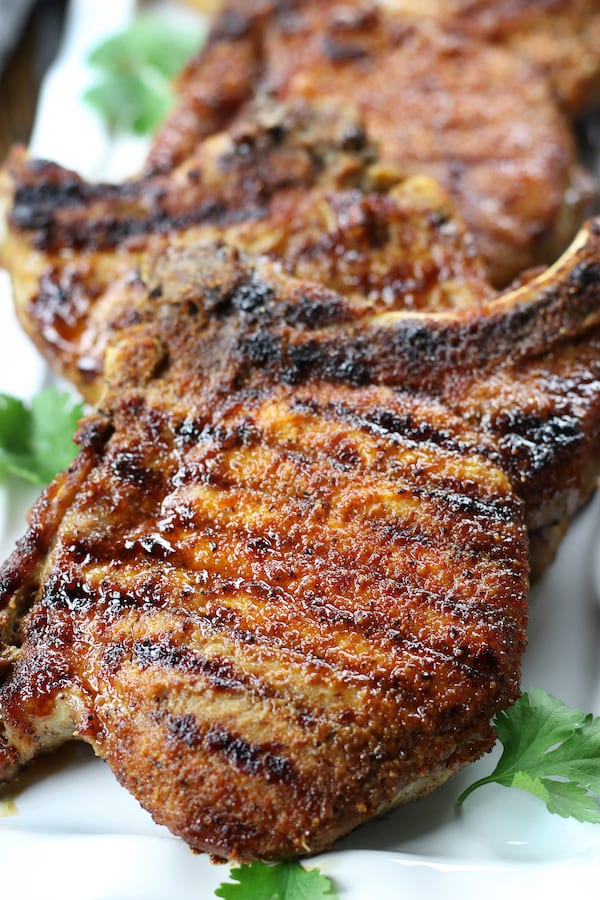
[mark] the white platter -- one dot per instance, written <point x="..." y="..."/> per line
<point x="76" y="835"/>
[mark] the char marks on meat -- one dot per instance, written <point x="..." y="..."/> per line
<point x="283" y="586"/>
<point x="478" y="114"/>
<point x="296" y="183"/>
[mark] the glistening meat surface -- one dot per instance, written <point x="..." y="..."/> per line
<point x="477" y="115"/>
<point x="294" y="182"/>
<point x="284" y="585"/>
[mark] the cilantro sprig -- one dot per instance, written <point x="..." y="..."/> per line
<point x="283" y="881"/>
<point x="135" y="69"/>
<point x="36" y="441"/>
<point x="553" y="752"/>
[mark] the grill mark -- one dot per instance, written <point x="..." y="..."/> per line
<point x="287" y="447"/>
<point x="90" y="550"/>
<point x="62" y="595"/>
<point x="61" y="590"/>
<point x="260" y="760"/>
<point x="218" y="672"/>
<point x="221" y="674"/>
<point x="496" y="510"/>
<point x="342" y="51"/>
<point x="377" y="630"/>
<point x="162" y="588"/>
<point x="257" y="543"/>
<point x="400" y="430"/>
<point x="59" y="190"/>
<point x="299" y="362"/>
<point x="113" y="656"/>
<point x="54" y="209"/>
<point x="108" y="231"/>
<point x="472" y="662"/>
<point x="159" y="588"/>
<point x="184" y="729"/>
<point x="164" y="653"/>
<point x="405" y="429"/>
<point x="428" y="514"/>
<point x="254" y="759"/>
<point x="412" y="354"/>
<point x="313" y="312"/>
<point x="281" y="553"/>
<point x="248" y="636"/>
<point x="313" y="458"/>
<point x="130" y="466"/>
<point x="155" y="591"/>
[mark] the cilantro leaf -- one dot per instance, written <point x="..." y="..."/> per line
<point x="283" y="881"/>
<point x="37" y="442"/>
<point x="14" y="436"/>
<point x="128" y="101"/>
<point x="553" y="752"/>
<point x="135" y="69"/>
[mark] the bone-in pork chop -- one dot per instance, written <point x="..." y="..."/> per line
<point x="297" y="184"/>
<point x="283" y="587"/>
<point x="478" y="117"/>
<point x="306" y="188"/>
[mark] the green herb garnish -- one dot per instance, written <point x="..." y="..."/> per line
<point x="136" y="68"/>
<point x="36" y="442"/>
<point x="553" y="752"/>
<point x="283" y="881"/>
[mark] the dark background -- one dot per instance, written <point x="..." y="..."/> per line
<point x="20" y="80"/>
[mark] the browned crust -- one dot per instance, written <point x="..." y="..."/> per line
<point x="479" y="117"/>
<point x="285" y="594"/>
<point x="561" y="37"/>
<point x="298" y="185"/>
<point x="300" y="647"/>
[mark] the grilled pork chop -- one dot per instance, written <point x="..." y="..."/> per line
<point x="477" y="117"/>
<point x="298" y="184"/>
<point x="561" y="37"/>
<point x="283" y="586"/>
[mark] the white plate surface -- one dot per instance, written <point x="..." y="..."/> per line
<point x="76" y="835"/>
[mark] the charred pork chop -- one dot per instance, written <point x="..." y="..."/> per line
<point x="479" y="118"/>
<point x="306" y="188"/>
<point x="283" y="587"/>
<point x="298" y="184"/>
